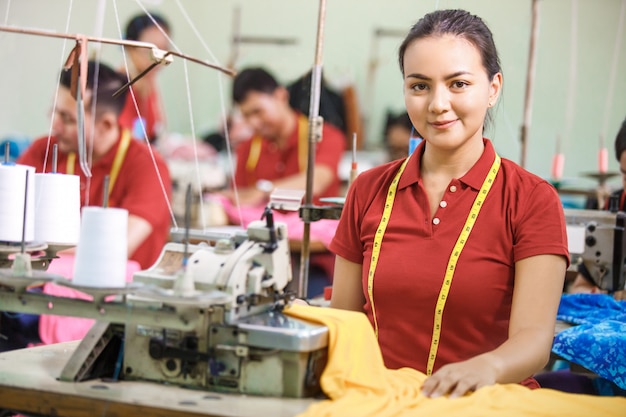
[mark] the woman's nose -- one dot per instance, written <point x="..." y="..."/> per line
<point x="439" y="100"/>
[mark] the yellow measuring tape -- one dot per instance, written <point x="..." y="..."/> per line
<point x="122" y="149"/>
<point x="255" y="149"/>
<point x="454" y="256"/>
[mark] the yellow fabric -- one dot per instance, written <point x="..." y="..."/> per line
<point x="358" y="384"/>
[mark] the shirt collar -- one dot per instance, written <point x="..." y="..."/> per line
<point x="473" y="178"/>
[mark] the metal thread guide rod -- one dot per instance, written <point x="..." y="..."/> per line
<point x="184" y="284"/>
<point x="157" y="54"/>
<point x="105" y="192"/>
<point x="80" y="120"/>
<point x="7" y="149"/>
<point x="315" y="135"/>
<point x="55" y="157"/>
<point x="187" y="224"/>
<point x="354" y="169"/>
<point x="22" y="266"/>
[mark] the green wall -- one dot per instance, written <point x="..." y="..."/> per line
<point x="30" y="64"/>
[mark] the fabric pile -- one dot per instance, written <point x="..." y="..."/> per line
<point x="358" y="384"/>
<point x="598" y="341"/>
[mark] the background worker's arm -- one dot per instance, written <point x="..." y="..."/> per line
<point x="323" y="177"/>
<point x="138" y="231"/>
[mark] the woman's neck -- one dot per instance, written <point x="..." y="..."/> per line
<point x="451" y="163"/>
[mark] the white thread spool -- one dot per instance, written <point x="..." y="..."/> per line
<point x="101" y="254"/>
<point x="57" y="209"/>
<point x="12" y="191"/>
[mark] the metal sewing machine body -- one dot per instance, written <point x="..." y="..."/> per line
<point x="204" y="317"/>
<point x="597" y="239"/>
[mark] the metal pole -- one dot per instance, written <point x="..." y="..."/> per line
<point x="530" y="78"/>
<point x="146" y="45"/>
<point x="315" y="135"/>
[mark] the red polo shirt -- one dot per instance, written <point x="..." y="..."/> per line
<point x="274" y="163"/>
<point x="149" y="110"/>
<point x="521" y="217"/>
<point x="136" y="189"/>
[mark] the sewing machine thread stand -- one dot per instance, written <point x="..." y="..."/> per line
<point x="22" y="262"/>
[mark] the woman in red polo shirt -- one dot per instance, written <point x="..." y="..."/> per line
<point x="457" y="256"/>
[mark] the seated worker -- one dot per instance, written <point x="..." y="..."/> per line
<point x="456" y="256"/>
<point x="398" y="131"/>
<point x="134" y="185"/>
<point x="143" y="28"/>
<point x="238" y="132"/>
<point x="276" y="156"/>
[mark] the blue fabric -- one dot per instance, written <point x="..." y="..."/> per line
<point x="598" y="342"/>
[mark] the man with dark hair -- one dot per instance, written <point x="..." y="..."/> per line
<point x="139" y="182"/>
<point x="276" y="155"/>
<point x="134" y="184"/>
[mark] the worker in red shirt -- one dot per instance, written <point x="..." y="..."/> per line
<point x="456" y="255"/>
<point x="276" y="154"/>
<point x="139" y="180"/>
<point x="143" y="111"/>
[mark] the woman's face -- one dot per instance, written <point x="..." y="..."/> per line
<point x="447" y="90"/>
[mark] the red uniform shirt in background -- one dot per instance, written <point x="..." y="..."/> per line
<point x="137" y="188"/>
<point x="274" y="164"/>
<point x="521" y="217"/>
<point x="150" y="112"/>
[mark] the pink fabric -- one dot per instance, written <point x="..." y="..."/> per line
<point x="56" y="329"/>
<point x="322" y="230"/>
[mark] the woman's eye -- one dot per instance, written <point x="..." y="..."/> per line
<point x="459" y="84"/>
<point x="419" y="87"/>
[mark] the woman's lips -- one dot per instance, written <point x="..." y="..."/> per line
<point x="443" y="124"/>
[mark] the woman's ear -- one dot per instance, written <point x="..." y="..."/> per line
<point x="495" y="88"/>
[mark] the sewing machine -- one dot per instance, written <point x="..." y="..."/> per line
<point x="204" y="317"/>
<point x="597" y="239"/>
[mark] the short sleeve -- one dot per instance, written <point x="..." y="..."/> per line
<point x="540" y="228"/>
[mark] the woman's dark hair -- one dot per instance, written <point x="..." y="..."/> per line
<point x="141" y="22"/>
<point x="459" y="23"/>
<point x="620" y="141"/>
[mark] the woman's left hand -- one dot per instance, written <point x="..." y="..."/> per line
<point x="457" y="379"/>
